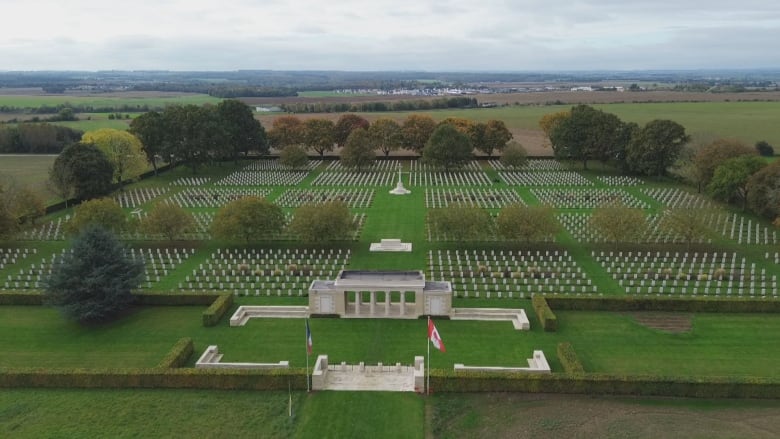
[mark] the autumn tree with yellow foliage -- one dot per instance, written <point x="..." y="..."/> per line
<point x="123" y="150"/>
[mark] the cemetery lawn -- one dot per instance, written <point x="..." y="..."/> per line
<point x="717" y="345"/>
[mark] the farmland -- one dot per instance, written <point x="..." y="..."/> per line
<point x="747" y="116"/>
<point x="152" y="99"/>
<point x="747" y="121"/>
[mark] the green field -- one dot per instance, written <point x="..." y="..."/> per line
<point x="29" y="169"/>
<point x="22" y="101"/>
<point x="748" y="121"/>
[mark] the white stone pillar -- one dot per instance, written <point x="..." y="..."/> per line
<point x="372" y="302"/>
<point x="357" y="302"/>
<point x="403" y="303"/>
<point x="387" y="303"/>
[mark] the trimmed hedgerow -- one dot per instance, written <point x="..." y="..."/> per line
<point x="213" y="314"/>
<point x="178" y="355"/>
<point x="547" y="318"/>
<point x="23" y="298"/>
<point x="569" y="359"/>
<point x="603" y="384"/>
<point x="177" y="378"/>
<point x="173" y="298"/>
<point x="687" y="304"/>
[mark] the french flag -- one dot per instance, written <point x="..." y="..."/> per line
<point x="308" y="338"/>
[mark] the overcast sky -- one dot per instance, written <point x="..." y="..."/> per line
<point x="434" y="35"/>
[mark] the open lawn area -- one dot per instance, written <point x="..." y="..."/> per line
<point x="716" y="344"/>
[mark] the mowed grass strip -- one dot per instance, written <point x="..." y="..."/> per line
<point x="362" y="415"/>
<point x="117" y="413"/>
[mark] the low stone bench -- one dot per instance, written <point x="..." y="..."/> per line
<point x="536" y="364"/>
<point x="517" y="316"/>
<point x="390" y="245"/>
<point x="211" y="359"/>
<point x="244" y="313"/>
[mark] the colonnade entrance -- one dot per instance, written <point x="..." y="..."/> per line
<point x="379" y="303"/>
<point x="380" y="294"/>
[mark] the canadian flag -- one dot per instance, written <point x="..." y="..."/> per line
<point x="434" y="337"/>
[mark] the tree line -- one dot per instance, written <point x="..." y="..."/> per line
<point x="381" y="106"/>
<point x="77" y="108"/>
<point x="446" y="144"/>
<point x="727" y="169"/>
<point x="36" y="138"/>
<point x="194" y="135"/>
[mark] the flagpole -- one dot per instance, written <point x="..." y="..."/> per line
<point x="306" y="335"/>
<point x="428" y="365"/>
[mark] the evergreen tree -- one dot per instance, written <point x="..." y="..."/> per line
<point x="94" y="281"/>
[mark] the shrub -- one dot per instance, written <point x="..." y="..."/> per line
<point x="547" y="318"/>
<point x="213" y="314"/>
<point x="569" y="359"/>
<point x="21" y="298"/>
<point x="765" y="149"/>
<point x="178" y="355"/>
<point x="94" y="281"/>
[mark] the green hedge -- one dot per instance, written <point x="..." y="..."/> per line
<point x="687" y="304"/>
<point x="178" y="355"/>
<point x="213" y="314"/>
<point x="173" y="298"/>
<point x="24" y="298"/>
<point x="441" y="381"/>
<point x="179" y="378"/>
<point x="601" y="384"/>
<point x="569" y="359"/>
<point x="145" y="298"/>
<point x="546" y="317"/>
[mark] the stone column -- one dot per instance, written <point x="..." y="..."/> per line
<point x="403" y="303"/>
<point x="357" y="302"/>
<point x="387" y="303"/>
<point x="372" y="302"/>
